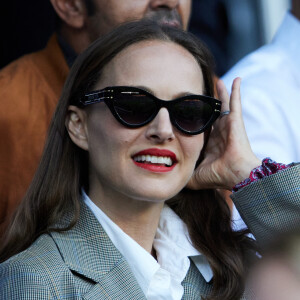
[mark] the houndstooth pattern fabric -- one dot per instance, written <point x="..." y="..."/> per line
<point x="82" y="263"/>
<point x="271" y="204"/>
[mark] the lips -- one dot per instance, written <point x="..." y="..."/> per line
<point x="171" y="23"/>
<point x="166" y="17"/>
<point x="155" y="160"/>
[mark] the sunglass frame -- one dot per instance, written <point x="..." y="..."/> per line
<point x="109" y="93"/>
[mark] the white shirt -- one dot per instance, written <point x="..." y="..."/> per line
<point x="161" y="279"/>
<point x="271" y="94"/>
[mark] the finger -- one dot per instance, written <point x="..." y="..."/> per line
<point x="235" y="97"/>
<point x="223" y="95"/>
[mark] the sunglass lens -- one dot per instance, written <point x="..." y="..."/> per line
<point x="192" y="115"/>
<point x="134" y="109"/>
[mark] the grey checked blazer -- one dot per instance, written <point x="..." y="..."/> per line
<point x="82" y="263"/>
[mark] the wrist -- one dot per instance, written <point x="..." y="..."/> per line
<point x="267" y="168"/>
<point x="246" y="168"/>
<point x="242" y="170"/>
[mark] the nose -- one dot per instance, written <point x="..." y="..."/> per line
<point x="170" y="4"/>
<point x="160" y="130"/>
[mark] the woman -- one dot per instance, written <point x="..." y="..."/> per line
<point x="93" y="224"/>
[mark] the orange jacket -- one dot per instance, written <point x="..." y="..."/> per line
<point x="29" y="90"/>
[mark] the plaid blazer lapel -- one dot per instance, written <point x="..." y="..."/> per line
<point x="87" y="250"/>
<point x="116" y="285"/>
<point x="195" y="286"/>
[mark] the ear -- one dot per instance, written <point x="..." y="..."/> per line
<point x="72" y="12"/>
<point x="76" y="126"/>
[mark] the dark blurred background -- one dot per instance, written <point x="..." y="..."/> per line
<point x="230" y="28"/>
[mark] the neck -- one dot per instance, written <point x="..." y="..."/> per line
<point x="139" y="219"/>
<point x="296" y="9"/>
<point x="78" y="39"/>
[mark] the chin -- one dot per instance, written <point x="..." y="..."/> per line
<point x="156" y="195"/>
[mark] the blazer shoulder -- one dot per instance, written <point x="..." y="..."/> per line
<point x="20" y="281"/>
<point x="35" y="273"/>
<point x="41" y="250"/>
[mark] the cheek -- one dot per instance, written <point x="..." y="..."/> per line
<point x="128" y="11"/>
<point x="106" y="154"/>
<point x="192" y="147"/>
<point x="107" y="138"/>
<point x="101" y="128"/>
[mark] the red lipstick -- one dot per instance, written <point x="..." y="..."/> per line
<point x="158" y="152"/>
<point x="156" y="167"/>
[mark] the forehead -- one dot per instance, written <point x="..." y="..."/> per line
<point x="154" y="63"/>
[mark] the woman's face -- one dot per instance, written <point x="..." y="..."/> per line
<point x="167" y="71"/>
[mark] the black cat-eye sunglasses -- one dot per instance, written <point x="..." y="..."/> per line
<point x="134" y="107"/>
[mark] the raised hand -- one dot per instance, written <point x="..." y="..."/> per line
<point x="228" y="158"/>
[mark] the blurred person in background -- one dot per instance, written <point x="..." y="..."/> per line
<point x="271" y="92"/>
<point x="209" y="22"/>
<point x="30" y="86"/>
<point x="277" y="275"/>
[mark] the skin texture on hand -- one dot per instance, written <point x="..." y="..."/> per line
<point x="228" y="157"/>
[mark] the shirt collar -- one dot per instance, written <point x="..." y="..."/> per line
<point x="142" y="264"/>
<point x="172" y="245"/>
<point x="173" y="241"/>
<point x="287" y="37"/>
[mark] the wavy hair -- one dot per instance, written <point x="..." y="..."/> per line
<point x="63" y="169"/>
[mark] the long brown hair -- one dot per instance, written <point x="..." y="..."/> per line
<point x="63" y="169"/>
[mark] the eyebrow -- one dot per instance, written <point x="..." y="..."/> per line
<point x="182" y="94"/>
